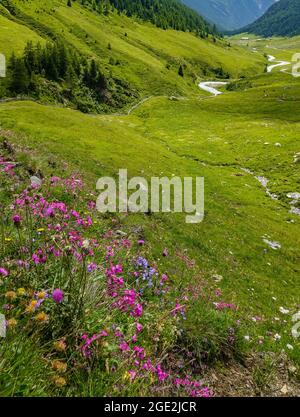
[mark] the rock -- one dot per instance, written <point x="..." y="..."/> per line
<point x="295" y="210"/>
<point x="217" y="278"/>
<point x="273" y="245"/>
<point x="297" y="158"/>
<point x="294" y="196"/>
<point x="35" y="181"/>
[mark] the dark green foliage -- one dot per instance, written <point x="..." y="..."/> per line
<point x="282" y="19"/>
<point x="59" y="71"/>
<point x="162" y="13"/>
<point x="180" y="71"/>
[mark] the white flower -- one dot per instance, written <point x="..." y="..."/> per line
<point x="290" y="347"/>
<point x="283" y="310"/>
<point x="277" y="336"/>
<point x="247" y="338"/>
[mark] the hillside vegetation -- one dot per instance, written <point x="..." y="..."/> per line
<point x="282" y="19"/>
<point x="136" y="58"/>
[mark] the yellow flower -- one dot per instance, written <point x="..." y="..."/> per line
<point x="12" y="323"/>
<point x="59" y="366"/>
<point x="41" y="295"/>
<point x="42" y="317"/>
<point x="126" y="376"/>
<point x="8" y="239"/>
<point x="21" y="291"/>
<point x="32" y="306"/>
<point x="60" y="346"/>
<point x="59" y="381"/>
<point x="41" y="229"/>
<point x="11" y="295"/>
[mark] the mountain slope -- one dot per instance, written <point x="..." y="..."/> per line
<point x="144" y="58"/>
<point x="230" y="14"/>
<point x="282" y="19"/>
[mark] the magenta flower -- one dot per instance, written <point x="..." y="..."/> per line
<point x="139" y="327"/>
<point x="58" y="296"/>
<point x="124" y="347"/>
<point x="137" y="311"/>
<point x="141" y="242"/>
<point x="16" y="219"/>
<point x="4" y="272"/>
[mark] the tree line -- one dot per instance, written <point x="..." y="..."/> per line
<point x="166" y="14"/>
<point x="54" y="62"/>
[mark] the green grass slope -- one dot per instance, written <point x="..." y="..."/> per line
<point x="145" y="56"/>
<point x="217" y="139"/>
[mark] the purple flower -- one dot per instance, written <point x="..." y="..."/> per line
<point x="16" y="219"/>
<point x="91" y="267"/>
<point x="58" y="296"/>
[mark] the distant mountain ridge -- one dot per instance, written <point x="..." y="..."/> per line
<point x="282" y="19"/>
<point x="230" y="14"/>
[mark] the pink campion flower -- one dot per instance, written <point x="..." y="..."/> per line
<point x="141" y="242"/>
<point x="58" y="228"/>
<point x="139" y="352"/>
<point x="91" y="205"/>
<point x="39" y="258"/>
<point x="137" y="311"/>
<point x="162" y="375"/>
<point x="58" y="296"/>
<point x="124" y="347"/>
<point x="49" y="212"/>
<point x="139" y="327"/>
<point x="4" y="272"/>
<point x="132" y="375"/>
<point x="54" y="180"/>
<point x="75" y="214"/>
<point x="203" y="393"/>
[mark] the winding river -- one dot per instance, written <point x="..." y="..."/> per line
<point x="210" y="86"/>
<point x="272" y="58"/>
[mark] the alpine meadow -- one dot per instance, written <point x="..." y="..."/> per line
<point x="145" y="304"/>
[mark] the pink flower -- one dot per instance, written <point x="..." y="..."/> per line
<point x="132" y="375"/>
<point x="137" y="311"/>
<point x="58" y="296"/>
<point x="124" y="347"/>
<point x="141" y="242"/>
<point x="139" y="327"/>
<point x="161" y="374"/>
<point x="4" y="272"/>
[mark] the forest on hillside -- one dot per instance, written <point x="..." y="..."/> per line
<point x="282" y="19"/>
<point x="166" y="14"/>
